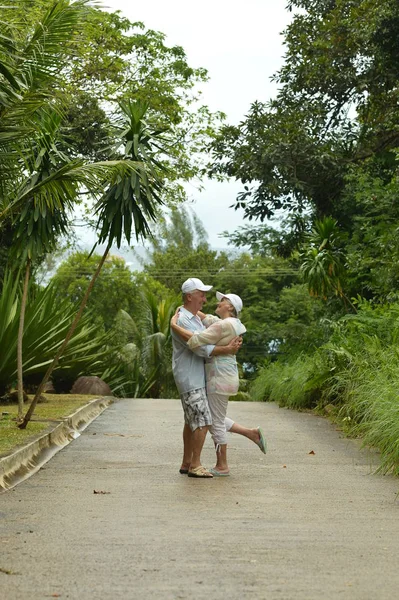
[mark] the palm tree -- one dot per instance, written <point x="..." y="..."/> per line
<point x="26" y="69"/>
<point x="156" y="337"/>
<point x="38" y="183"/>
<point x="38" y="226"/>
<point x="323" y="262"/>
<point x="127" y="206"/>
<point x="146" y="350"/>
<point x="35" y="197"/>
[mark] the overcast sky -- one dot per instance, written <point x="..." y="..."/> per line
<point x="240" y="45"/>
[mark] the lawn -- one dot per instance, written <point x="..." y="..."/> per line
<point x="46" y="413"/>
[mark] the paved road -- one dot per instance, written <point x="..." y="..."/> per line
<point x="286" y="526"/>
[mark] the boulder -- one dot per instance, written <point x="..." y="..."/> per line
<point x="91" y="385"/>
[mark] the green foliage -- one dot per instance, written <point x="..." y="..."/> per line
<point x="111" y="60"/>
<point x="76" y="63"/>
<point x="322" y="264"/>
<point x="325" y="151"/>
<point x="179" y="250"/>
<point x="47" y="319"/>
<point x="260" y="282"/>
<point x="355" y="372"/>
<point x="269" y="241"/>
<point x="288" y="384"/>
<point x="132" y="200"/>
<point x="115" y="287"/>
<point x="146" y="353"/>
<point x="372" y="248"/>
<point x="300" y="324"/>
<point x="278" y="313"/>
<point x="336" y="110"/>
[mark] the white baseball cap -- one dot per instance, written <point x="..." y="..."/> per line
<point x="194" y="284"/>
<point x="233" y="299"/>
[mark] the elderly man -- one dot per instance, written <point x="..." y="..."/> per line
<point x="189" y="374"/>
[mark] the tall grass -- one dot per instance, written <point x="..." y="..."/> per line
<point x="357" y="371"/>
<point x="289" y="384"/>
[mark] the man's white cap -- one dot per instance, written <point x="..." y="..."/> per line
<point x="194" y="284"/>
<point x="233" y="299"/>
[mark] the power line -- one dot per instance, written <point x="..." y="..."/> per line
<point x="167" y="273"/>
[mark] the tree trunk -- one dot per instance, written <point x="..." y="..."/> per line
<point x="60" y="352"/>
<point x="19" y="343"/>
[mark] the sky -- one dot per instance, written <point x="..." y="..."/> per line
<point x="240" y="45"/>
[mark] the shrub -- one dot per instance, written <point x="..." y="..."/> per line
<point x="357" y="371"/>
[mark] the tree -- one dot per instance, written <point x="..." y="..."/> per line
<point x="40" y="183"/>
<point x="112" y="60"/>
<point x="126" y="207"/>
<point x="147" y="349"/>
<point x="28" y="120"/>
<point x="323" y="262"/>
<point x="47" y="321"/>
<point x="337" y="107"/>
<point x="179" y="250"/>
<point x="38" y="226"/>
<point x="116" y="288"/>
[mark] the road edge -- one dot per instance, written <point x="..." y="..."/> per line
<point x="26" y="461"/>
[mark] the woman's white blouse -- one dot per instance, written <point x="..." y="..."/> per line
<point x="221" y="371"/>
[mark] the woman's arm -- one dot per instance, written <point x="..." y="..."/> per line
<point x="212" y="335"/>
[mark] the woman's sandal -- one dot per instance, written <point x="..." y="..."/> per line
<point x="217" y="473"/>
<point x="200" y="472"/>
<point x="262" y="441"/>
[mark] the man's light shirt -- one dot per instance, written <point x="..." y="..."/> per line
<point x="188" y="365"/>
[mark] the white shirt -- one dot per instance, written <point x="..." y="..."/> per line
<point x="188" y="365"/>
<point x="221" y="371"/>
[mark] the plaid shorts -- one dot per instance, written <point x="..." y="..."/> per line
<point x="196" y="409"/>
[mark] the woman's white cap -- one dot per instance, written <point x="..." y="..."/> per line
<point x="233" y="299"/>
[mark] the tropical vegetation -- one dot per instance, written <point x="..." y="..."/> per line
<point x="98" y="113"/>
<point x="324" y="153"/>
<point x="125" y="169"/>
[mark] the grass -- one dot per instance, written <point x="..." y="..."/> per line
<point x="55" y="408"/>
<point x="360" y="389"/>
<point x="293" y="384"/>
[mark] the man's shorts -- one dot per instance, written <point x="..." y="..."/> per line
<point x="196" y="409"/>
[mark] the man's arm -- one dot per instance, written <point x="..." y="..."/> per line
<point x="231" y="348"/>
<point x="185" y="329"/>
<point x="208" y="349"/>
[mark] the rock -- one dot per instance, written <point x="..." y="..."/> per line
<point x="49" y="388"/>
<point x="11" y="397"/>
<point x="91" y="385"/>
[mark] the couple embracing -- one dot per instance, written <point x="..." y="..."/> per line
<point x="205" y="372"/>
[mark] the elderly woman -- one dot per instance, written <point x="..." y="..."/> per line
<point x="222" y="378"/>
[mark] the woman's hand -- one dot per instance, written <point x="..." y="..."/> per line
<point x="174" y="319"/>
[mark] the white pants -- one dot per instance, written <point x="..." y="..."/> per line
<point x="220" y="423"/>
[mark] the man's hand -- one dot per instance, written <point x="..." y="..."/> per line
<point x="235" y="344"/>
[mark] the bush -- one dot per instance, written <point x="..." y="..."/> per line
<point x="47" y="321"/>
<point x="357" y="371"/>
<point x="294" y="385"/>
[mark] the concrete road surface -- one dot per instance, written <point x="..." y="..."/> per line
<point x="291" y="525"/>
